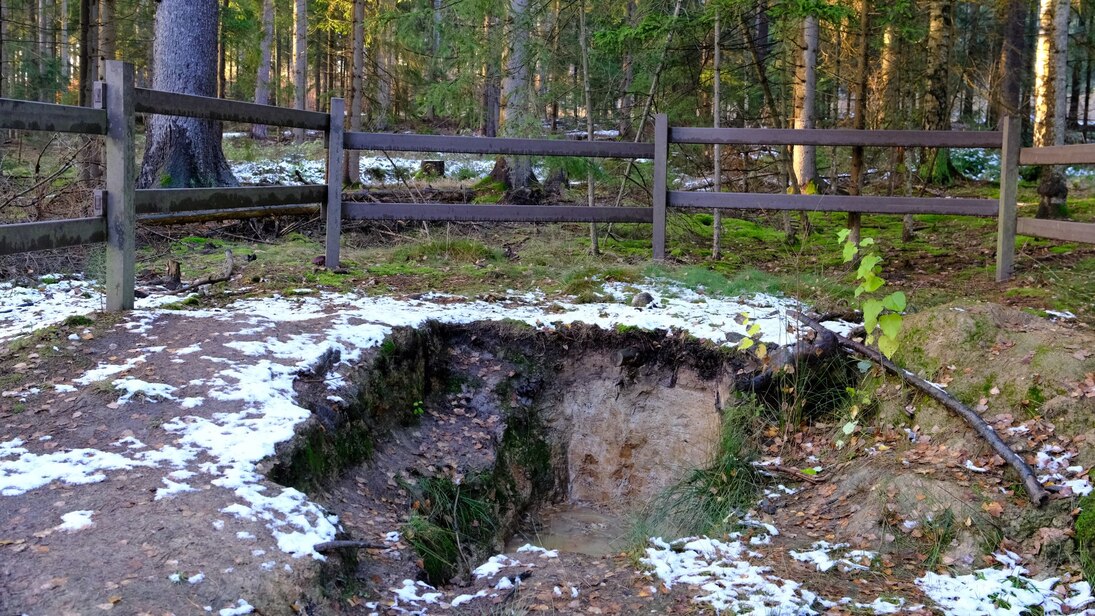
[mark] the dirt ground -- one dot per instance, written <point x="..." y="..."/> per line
<point x="232" y="538"/>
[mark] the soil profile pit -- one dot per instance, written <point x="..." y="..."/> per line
<point x="463" y="437"/>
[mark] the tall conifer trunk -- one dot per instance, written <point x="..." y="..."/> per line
<point x="185" y="152"/>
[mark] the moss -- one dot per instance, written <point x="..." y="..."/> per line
<point x="1085" y="536"/>
<point x="78" y="321"/>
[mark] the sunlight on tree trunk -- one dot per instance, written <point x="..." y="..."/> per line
<point x="1050" y="66"/>
<point x="300" y="60"/>
<point x="262" y="79"/>
<point x="185" y="152"/>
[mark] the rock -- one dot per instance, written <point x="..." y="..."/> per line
<point x="642" y="300"/>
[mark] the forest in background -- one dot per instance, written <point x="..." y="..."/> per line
<point x="539" y="67"/>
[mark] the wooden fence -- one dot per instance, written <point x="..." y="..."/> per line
<point x="119" y="206"/>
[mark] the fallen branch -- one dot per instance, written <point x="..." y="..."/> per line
<point x="229" y="265"/>
<point x="330" y="546"/>
<point x="1034" y="488"/>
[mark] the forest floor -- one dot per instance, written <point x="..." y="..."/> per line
<point x="145" y="443"/>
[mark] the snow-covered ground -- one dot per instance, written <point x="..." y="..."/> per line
<point x="373" y="169"/>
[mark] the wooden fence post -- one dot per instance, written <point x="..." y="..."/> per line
<point x="1009" y="188"/>
<point x="661" y="155"/>
<point x="121" y="174"/>
<point x="335" y="156"/>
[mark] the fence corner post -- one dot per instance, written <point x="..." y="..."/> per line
<point x="121" y="176"/>
<point x="1009" y="189"/>
<point x="335" y="158"/>
<point x="661" y="156"/>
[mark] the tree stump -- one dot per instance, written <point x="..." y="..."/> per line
<point x="432" y="168"/>
<point x="173" y="276"/>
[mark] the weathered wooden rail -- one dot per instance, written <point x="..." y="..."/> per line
<point x="120" y="206"/>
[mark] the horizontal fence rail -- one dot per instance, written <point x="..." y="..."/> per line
<point x="51" y="234"/>
<point x="836" y="137"/>
<point x="29" y="115"/>
<point x="183" y="218"/>
<point x="494" y="213"/>
<point x="496" y="145"/>
<point x="207" y="108"/>
<point x="1078" y="154"/>
<point x="834" y="203"/>
<point x="119" y="206"/>
<point x="175" y="200"/>
<point x="1063" y="230"/>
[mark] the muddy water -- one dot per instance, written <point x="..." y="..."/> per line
<point x="576" y="528"/>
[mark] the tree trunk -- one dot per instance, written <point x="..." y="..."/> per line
<point x="937" y="103"/>
<point x="627" y="99"/>
<point x="859" y="111"/>
<point x="300" y="60"/>
<point x="1076" y="82"/>
<point x="1050" y="66"/>
<point x="583" y="43"/>
<point x="64" y="50"/>
<point x="107" y="33"/>
<point x="1012" y="53"/>
<point x="46" y="52"/>
<point x="491" y="79"/>
<point x="5" y="63"/>
<point x="357" y="96"/>
<point x="805" y="156"/>
<point x="383" y="66"/>
<point x="716" y="120"/>
<point x="185" y="152"/>
<point x="517" y="117"/>
<point x="262" y="79"/>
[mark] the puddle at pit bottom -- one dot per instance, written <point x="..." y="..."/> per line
<point x="576" y="528"/>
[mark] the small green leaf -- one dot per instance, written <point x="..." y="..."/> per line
<point x="894" y="301"/>
<point x="753" y="330"/>
<point x="867" y="241"/>
<point x="809" y="471"/>
<point x="745" y="343"/>
<point x="891" y="325"/>
<point x="864" y="366"/>
<point x="842" y="235"/>
<point x="866" y="266"/>
<point x="887" y="345"/>
<point x="850" y="251"/>
<point x="871" y="309"/>
<point x="849" y="427"/>
<point x="872" y="283"/>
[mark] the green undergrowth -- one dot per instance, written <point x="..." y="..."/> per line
<point x="447" y="516"/>
<point x="1085" y="537"/>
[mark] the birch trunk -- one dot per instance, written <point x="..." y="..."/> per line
<point x="805" y="156"/>
<point x="357" y="95"/>
<point x="583" y="43"/>
<point x="300" y="60"/>
<point x="185" y="152"/>
<point x="1050" y="66"/>
<point x="262" y="79"/>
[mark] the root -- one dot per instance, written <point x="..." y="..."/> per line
<point x="1034" y="488"/>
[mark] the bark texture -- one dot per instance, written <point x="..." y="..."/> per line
<point x="185" y="152"/>
<point x="300" y="59"/>
<point x="937" y="103"/>
<point x="517" y="114"/>
<point x="1050" y="66"/>
<point x="262" y="79"/>
<point x="805" y="156"/>
<point x="357" y="95"/>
